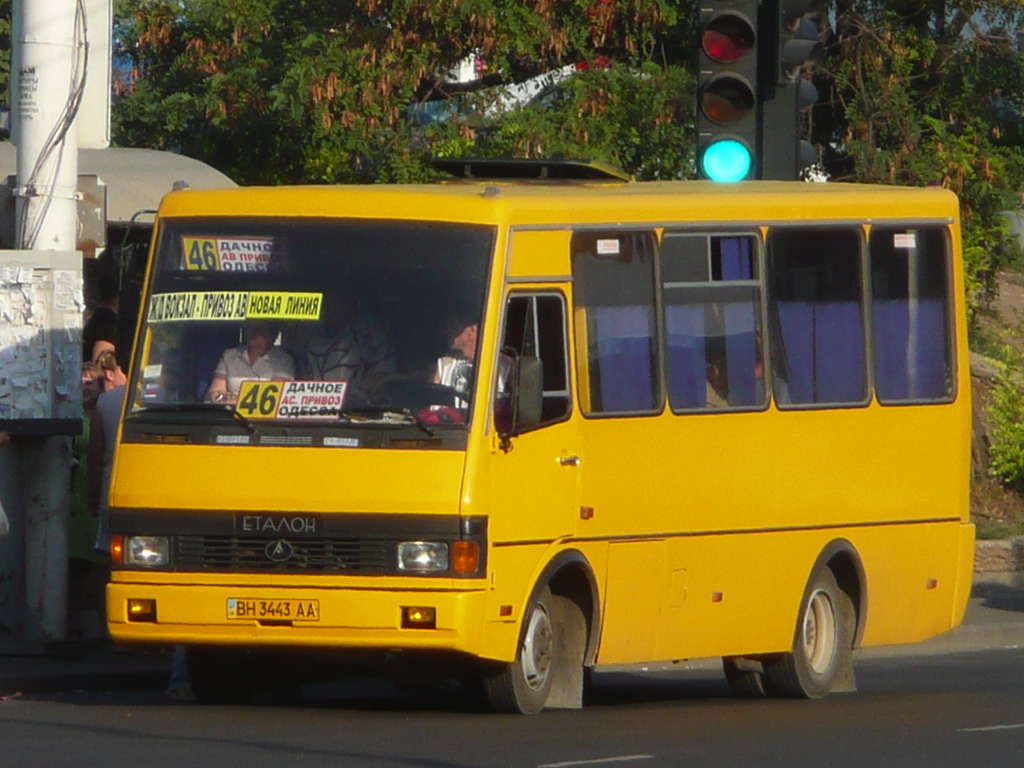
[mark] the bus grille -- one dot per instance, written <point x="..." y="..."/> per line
<point x="242" y="554"/>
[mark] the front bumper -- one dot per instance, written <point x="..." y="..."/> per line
<point x="349" y="618"/>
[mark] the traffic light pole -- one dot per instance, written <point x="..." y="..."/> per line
<point x="780" y="127"/>
<point x="789" y="47"/>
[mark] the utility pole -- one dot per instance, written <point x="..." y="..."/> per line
<point x="48" y="77"/>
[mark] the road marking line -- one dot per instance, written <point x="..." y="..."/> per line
<point x="598" y="761"/>
<point x="1013" y="727"/>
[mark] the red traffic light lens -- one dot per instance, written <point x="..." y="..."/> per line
<point x="727" y="38"/>
<point x="726" y="100"/>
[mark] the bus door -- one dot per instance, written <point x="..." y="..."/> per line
<point x="535" y="474"/>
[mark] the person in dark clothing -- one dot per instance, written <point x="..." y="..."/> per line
<point x="100" y="330"/>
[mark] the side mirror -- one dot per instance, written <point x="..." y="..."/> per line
<point x="528" y="394"/>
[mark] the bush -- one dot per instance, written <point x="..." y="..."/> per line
<point x="1006" y="412"/>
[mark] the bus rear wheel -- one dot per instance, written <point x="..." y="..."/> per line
<point x="523" y="686"/>
<point x="822" y="646"/>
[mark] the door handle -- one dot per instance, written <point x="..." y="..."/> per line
<point x="569" y="461"/>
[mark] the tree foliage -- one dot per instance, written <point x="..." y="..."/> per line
<point x="5" y="47"/>
<point x="1006" y="413"/>
<point x="317" y="91"/>
<point x="915" y="92"/>
<point x="932" y="92"/>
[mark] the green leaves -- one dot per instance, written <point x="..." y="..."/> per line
<point x="320" y="91"/>
<point x="1006" y="413"/>
<point x="636" y="119"/>
<point x="929" y="93"/>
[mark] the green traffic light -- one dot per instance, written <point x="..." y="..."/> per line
<point x="726" y="160"/>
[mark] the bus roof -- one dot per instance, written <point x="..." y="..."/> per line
<point x="514" y="202"/>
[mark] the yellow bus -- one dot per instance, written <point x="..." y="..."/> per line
<point x="518" y="429"/>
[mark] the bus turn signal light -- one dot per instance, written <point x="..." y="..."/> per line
<point x="465" y="556"/>
<point x="116" y="549"/>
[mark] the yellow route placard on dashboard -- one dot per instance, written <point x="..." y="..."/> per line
<point x="291" y="399"/>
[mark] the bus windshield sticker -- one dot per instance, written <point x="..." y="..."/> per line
<point x="291" y="399"/>
<point x="904" y="240"/>
<point x="227" y="254"/>
<point x="232" y="440"/>
<point x="341" y="442"/>
<point x="234" y="306"/>
<point x="608" y="247"/>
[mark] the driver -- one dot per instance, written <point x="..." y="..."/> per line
<point x="456" y="371"/>
<point x="258" y="359"/>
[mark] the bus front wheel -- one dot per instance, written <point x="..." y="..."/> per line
<point x="523" y="686"/>
<point x="822" y="646"/>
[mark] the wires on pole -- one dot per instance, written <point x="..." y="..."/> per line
<point x="31" y="219"/>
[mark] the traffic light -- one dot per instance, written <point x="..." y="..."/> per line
<point x="727" y="102"/>
<point x="790" y="48"/>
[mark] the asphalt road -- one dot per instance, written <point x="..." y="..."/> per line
<point x="949" y="710"/>
<point x="955" y="700"/>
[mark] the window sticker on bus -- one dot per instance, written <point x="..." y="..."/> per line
<point x="608" y="247"/>
<point x="151" y="389"/>
<point x="291" y="399"/>
<point x="904" y="240"/>
<point x="234" y="306"/>
<point x="227" y="254"/>
<point x="341" y="442"/>
<point x="232" y="440"/>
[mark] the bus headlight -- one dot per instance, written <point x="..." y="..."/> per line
<point x="423" y="556"/>
<point x="147" y="551"/>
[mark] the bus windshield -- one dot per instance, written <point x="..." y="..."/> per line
<point x="312" y="320"/>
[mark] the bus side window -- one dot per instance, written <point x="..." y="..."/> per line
<point x="616" y="330"/>
<point x="535" y="326"/>
<point x="816" y="316"/>
<point x="910" y="314"/>
<point x="712" y="305"/>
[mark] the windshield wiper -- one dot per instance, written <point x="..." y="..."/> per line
<point x="407" y="415"/>
<point x="200" y="408"/>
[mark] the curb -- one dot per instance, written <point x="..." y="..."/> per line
<point x="99" y="669"/>
<point x="64" y="682"/>
<point x="999" y="561"/>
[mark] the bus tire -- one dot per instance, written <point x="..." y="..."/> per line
<point x="745" y="682"/>
<point x="822" y="646"/>
<point x="522" y="687"/>
<point x="220" y="675"/>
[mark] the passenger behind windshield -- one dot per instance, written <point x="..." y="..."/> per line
<point x="352" y="345"/>
<point x="257" y="358"/>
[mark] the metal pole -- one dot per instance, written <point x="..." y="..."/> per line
<point x="49" y="79"/>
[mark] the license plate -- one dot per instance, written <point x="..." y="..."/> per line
<point x="281" y="610"/>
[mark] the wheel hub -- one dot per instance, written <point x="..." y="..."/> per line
<point x="538" y="645"/>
